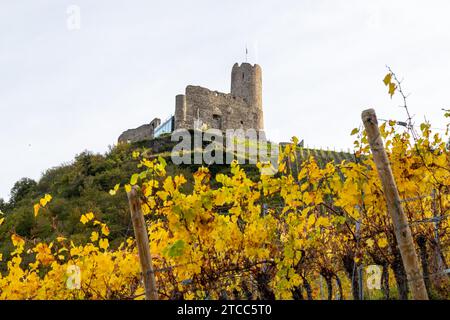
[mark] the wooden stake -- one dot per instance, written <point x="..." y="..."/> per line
<point x="142" y="243"/>
<point x="395" y="209"/>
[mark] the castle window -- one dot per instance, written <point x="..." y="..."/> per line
<point x="217" y="121"/>
<point x="243" y="74"/>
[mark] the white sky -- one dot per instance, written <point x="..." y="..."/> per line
<point x="64" y="91"/>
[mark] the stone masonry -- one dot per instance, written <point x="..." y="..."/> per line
<point x="239" y="109"/>
<point x="242" y="108"/>
<point x="144" y="132"/>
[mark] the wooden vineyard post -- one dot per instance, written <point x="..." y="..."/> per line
<point x="142" y="243"/>
<point x="394" y="206"/>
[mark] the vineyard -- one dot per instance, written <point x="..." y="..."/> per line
<point x="308" y="232"/>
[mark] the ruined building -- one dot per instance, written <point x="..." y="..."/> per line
<point x="239" y="109"/>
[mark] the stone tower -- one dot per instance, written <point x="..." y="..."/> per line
<point x="200" y="107"/>
<point x="180" y="111"/>
<point x="246" y="82"/>
<point x="239" y="109"/>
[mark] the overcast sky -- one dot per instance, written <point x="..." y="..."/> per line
<point x="64" y="90"/>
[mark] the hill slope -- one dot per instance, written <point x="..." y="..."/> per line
<point x="83" y="186"/>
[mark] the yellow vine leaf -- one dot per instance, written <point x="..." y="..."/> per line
<point x="45" y="200"/>
<point x="90" y="215"/>
<point x="17" y="240"/>
<point x="382" y="242"/>
<point x="94" y="236"/>
<point x="85" y="218"/>
<point x="392" y="88"/>
<point x="105" y="230"/>
<point x="354" y="131"/>
<point x="311" y="220"/>
<point x="114" y="190"/>
<point x="36" y="208"/>
<point x="103" y="244"/>
<point x="387" y="79"/>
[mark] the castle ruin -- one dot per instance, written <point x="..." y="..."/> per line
<point x="239" y="109"/>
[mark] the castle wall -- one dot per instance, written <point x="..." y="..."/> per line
<point x="217" y="110"/>
<point x="144" y="132"/>
<point x="154" y="124"/>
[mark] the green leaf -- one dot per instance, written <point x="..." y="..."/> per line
<point x="189" y="215"/>
<point x="114" y="191"/>
<point x="207" y="202"/>
<point x="134" y="179"/>
<point x="162" y="161"/>
<point x="423" y="126"/>
<point x="354" y="131"/>
<point x="143" y="175"/>
<point x="176" y="249"/>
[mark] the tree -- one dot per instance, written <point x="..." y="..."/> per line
<point x="3" y="205"/>
<point x="21" y="189"/>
